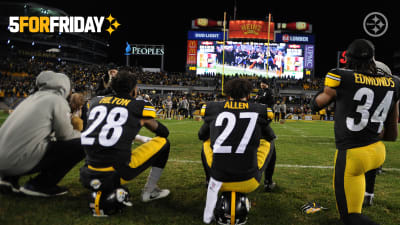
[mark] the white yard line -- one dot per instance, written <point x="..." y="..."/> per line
<point x="306" y="136"/>
<point x="282" y="165"/>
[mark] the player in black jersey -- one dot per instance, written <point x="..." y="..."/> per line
<point x="236" y="142"/>
<point x="113" y="122"/>
<point x="264" y="96"/>
<point x="370" y="176"/>
<point x="366" y="113"/>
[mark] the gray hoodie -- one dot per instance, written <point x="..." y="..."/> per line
<point x="26" y="133"/>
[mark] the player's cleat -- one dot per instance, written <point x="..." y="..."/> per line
<point x="156" y="193"/>
<point x="269" y="186"/>
<point x="9" y="184"/>
<point x="32" y="190"/>
<point x="311" y="208"/>
<point x="368" y="199"/>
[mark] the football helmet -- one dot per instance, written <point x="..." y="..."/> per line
<point x="223" y="212"/>
<point x="104" y="204"/>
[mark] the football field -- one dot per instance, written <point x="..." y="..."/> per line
<point x="305" y="152"/>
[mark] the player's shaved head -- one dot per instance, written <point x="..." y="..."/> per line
<point x="238" y="88"/>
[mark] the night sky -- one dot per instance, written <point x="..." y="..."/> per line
<point x="335" y="24"/>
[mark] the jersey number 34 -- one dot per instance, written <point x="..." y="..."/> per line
<point x="380" y="114"/>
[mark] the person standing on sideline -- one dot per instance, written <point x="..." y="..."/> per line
<point x="265" y="97"/>
<point x="277" y="110"/>
<point x="283" y="110"/>
<point x="184" y="107"/>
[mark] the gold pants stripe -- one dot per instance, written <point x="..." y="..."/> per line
<point x="144" y="152"/>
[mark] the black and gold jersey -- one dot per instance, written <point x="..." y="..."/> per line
<point x="234" y="129"/>
<point x="112" y="124"/>
<point x="362" y="104"/>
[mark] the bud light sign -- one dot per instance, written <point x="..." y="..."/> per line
<point x="206" y="35"/>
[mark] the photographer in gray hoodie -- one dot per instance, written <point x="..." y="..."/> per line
<point x="38" y="137"/>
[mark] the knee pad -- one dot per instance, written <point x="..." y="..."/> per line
<point x="223" y="212"/>
<point x="103" y="204"/>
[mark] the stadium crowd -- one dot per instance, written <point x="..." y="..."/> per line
<point x="17" y="81"/>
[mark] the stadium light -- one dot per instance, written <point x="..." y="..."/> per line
<point x="56" y="50"/>
<point x="8" y="41"/>
<point x="33" y="43"/>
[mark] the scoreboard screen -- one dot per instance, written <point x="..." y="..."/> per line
<point x="253" y="58"/>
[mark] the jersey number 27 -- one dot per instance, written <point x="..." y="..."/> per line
<point x="230" y="125"/>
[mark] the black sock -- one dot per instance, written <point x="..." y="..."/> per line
<point x="370" y="181"/>
<point x="357" y="219"/>
<point x="269" y="171"/>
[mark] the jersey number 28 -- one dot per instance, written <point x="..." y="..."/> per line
<point x="114" y="121"/>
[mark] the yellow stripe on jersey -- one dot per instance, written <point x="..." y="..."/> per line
<point x="270" y="113"/>
<point x="203" y="110"/>
<point x="334" y="75"/>
<point x="149" y="111"/>
<point x="332" y="80"/>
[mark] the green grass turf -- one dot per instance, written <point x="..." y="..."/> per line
<point x="298" y="143"/>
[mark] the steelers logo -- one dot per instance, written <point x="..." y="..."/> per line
<point x="113" y="24"/>
<point x="375" y="24"/>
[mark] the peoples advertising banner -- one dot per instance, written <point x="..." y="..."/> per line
<point x="250" y="29"/>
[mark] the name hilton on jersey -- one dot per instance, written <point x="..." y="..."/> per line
<point x="116" y="101"/>
<point x="374" y="81"/>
